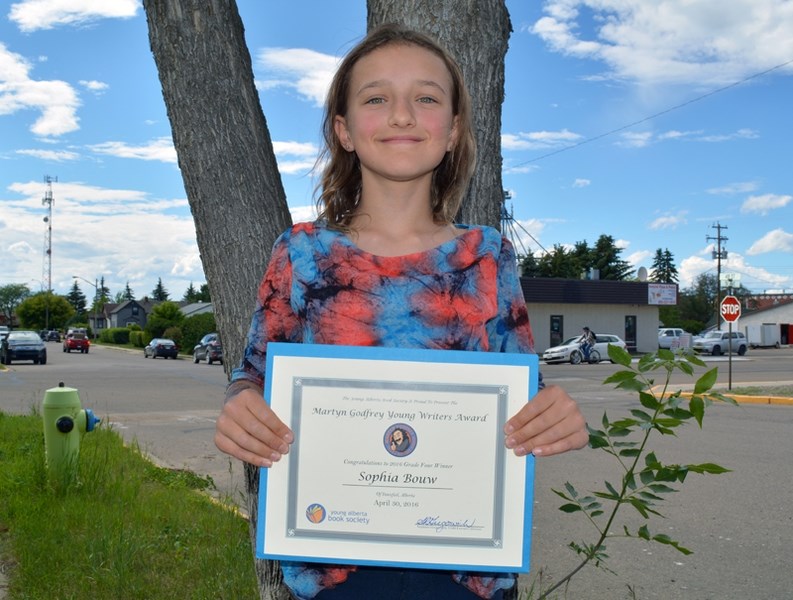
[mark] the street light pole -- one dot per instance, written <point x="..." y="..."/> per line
<point x="96" y="300"/>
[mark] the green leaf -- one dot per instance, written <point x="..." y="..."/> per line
<point x="665" y="354"/>
<point x="697" y="408"/>
<point x="596" y="513"/>
<point x="711" y="468"/>
<point x="643" y="532"/>
<point x="648" y="401"/>
<point x="610" y="488"/>
<point x="694" y="359"/>
<point x="660" y="488"/>
<point x="633" y="385"/>
<point x="665" y="539"/>
<point x="646" y="477"/>
<point x="561" y="494"/>
<point x="619" y="356"/>
<point x="630" y="452"/>
<point x="640" y="506"/>
<point x="723" y="398"/>
<point x="570" y="489"/>
<point x="570" y="508"/>
<point x="619" y="376"/>
<point x="641" y="415"/>
<point x="706" y="382"/>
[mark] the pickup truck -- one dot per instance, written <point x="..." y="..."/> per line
<point x="76" y="341"/>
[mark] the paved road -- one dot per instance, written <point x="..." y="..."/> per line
<point x="740" y="525"/>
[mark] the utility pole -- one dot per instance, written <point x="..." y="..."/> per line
<point x="47" y="274"/>
<point x="718" y="255"/>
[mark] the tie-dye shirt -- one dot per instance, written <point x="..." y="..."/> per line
<point x="321" y="288"/>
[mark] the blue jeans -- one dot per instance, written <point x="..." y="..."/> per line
<point x="586" y="349"/>
<point x="381" y="583"/>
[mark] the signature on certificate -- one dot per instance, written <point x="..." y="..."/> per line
<point x="441" y="524"/>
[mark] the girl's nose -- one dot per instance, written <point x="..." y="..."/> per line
<point x="402" y="114"/>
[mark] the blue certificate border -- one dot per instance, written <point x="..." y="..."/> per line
<point x="275" y="349"/>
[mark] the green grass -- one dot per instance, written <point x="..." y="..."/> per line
<point x="122" y="528"/>
<point x="783" y="391"/>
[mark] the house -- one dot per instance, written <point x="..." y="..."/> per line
<point x="561" y="308"/>
<point x="769" y="309"/>
<point x="196" y="308"/>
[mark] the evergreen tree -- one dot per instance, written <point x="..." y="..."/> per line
<point x="529" y="266"/>
<point x="203" y="294"/>
<point x="191" y="295"/>
<point x="103" y="292"/>
<point x="76" y="298"/>
<point x="607" y="260"/>
<point x="663" y="269"/>
<point x="559" y="262"/>
<point x="128" y="294"/>
<point x="159" y="293"/>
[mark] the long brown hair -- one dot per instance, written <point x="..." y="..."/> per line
<point x="340" y="184"/>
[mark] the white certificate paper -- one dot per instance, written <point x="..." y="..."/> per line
<point x="398" y="459"/>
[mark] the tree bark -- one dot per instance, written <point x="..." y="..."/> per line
<point x="229" y="170"/>
<point x="227" y="161"/>
<point x="476" y="33"/>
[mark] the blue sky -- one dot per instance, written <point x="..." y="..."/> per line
<point x="647" y="121"/>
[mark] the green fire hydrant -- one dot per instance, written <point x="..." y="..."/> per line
<point x="65" y="422"/>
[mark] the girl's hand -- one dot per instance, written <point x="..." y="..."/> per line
<point x="248" y="429"/>
<point x="550" y="424"/>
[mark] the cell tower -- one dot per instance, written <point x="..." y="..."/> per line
<point x="47" y="271"/>
<point x="510" y="228"/>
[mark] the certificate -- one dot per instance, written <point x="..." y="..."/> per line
<point x="398" y="459"/>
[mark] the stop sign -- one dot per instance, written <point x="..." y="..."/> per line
<point x="730" y="309"/>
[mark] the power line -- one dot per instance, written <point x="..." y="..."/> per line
<point x="656" y="115"/>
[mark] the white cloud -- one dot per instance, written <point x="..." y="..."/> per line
<point x="669" y="221"/>
<point x="295" y="149"/>
<point x="159" y="149"/>
<point x="53" y="155"/>
<point x="741" y="134"/>
<point x="519" y="169"/>
<point x="95" y="86"/>
<point x="306" y="71"/>
<point x="741" y="187"/>
<point x="638" y="139"/>
<point x="637" y="258"/>
<point x="32" y="15"/>
<point x="671" y="41"/>
<point x="765" y="203"/>
<point x="777" y="240"/>
<point x="124" y="234"/>
<point x="752" y="277"/>
<point x="55" y="100"/>
<point x="580" y="183"/>
<point x="539" y="140"/>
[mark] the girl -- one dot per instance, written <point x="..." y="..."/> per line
<point x="385" y="265"/>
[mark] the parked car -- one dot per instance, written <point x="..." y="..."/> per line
<point x="718" y="342"/>
<point x="76" y="341"/>
<point x="23" y="345"/>
<point x="673" y="337"/>
<point x="161" y="347"/>
<point x="4" y="331"/>
<point x="209" y="349"/>
<point x="50" y="335"/>
<point x="570" y="350"/>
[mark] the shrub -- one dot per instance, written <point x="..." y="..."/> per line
<point x="115" y="335"/>
<point x="136" y="338"/>
<point x="196" y="327"/>
<point x="175" y="334"/>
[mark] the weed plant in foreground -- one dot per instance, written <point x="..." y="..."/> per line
<point x="123" y="529"/>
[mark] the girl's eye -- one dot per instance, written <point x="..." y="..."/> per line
<point x="375" y="100"/>
<point x="427" y="100"/>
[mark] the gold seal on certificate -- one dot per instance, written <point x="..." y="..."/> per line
<point x="398" y="459"/>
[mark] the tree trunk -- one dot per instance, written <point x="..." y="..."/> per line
<point x="476" y="33"/>
<point x="229" y="171"/>
<point x="228" y="164"/>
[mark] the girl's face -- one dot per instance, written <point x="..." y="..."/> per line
<point x="399" y="119"/>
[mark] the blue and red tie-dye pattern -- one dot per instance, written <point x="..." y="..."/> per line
<point x="320" y="288"/>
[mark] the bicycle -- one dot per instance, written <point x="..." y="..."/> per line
<point x="577" y="356"/>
